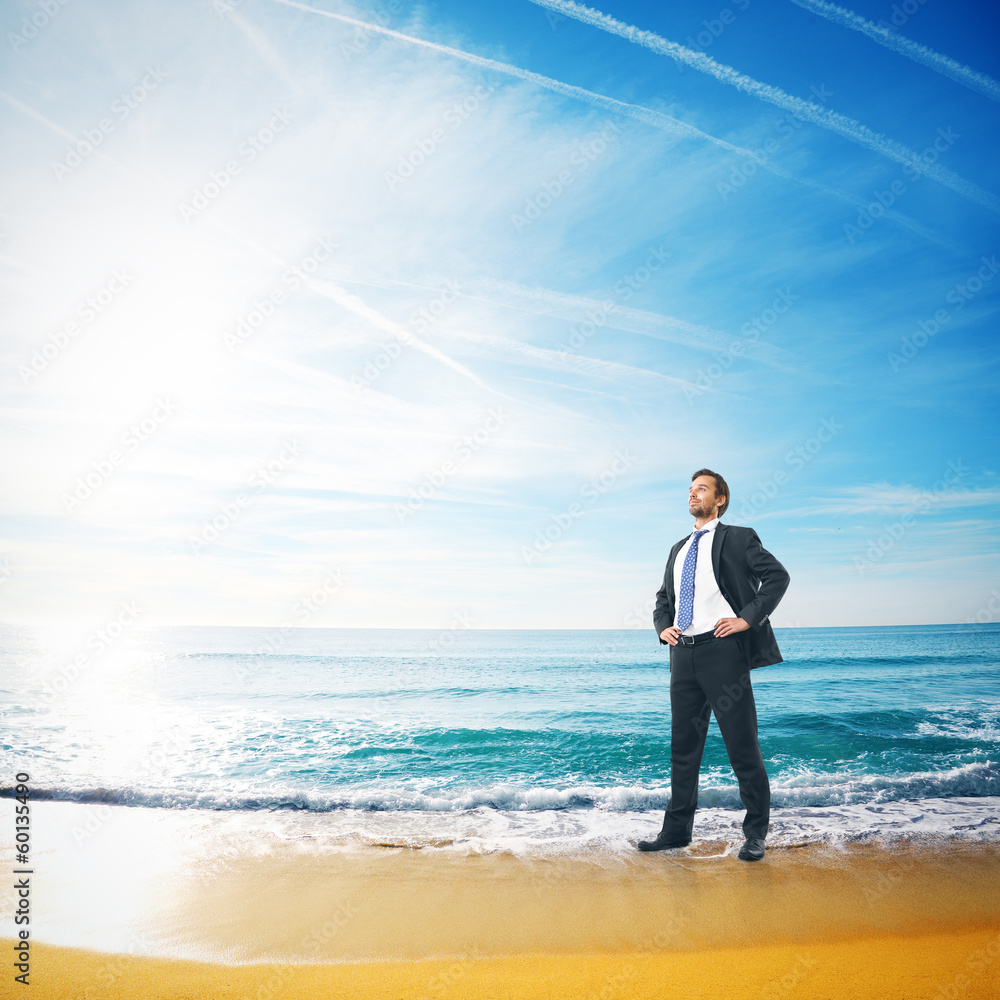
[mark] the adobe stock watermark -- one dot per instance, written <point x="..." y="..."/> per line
<point x="989" y="611"/>
<point x="456" y="116"/>
<point x="613" y="984"/>
<point x="224" y="7"/>
<point x="131" y="439"/>
<point x="553" y="18"/>
<point x="247" y="151"/>
<point x="751" y="330"/>
<point x="624" y="289"/>
<point x="463" y="449"/>
<point x="795" y="460"/>
<point x="264" y="308"/>
<point x="92" y="821"/>
<point x="959" y="296"/>
<point x="640" y="615"/>
<point x="444" y="981"/>
<point x="382" y="17"/>
<point x="880" y="884"/>
<point x="976" y="963"/>
<point x="121" y="107"/>
<point x="150" y="764"/>
<point x="892" y="533"/>
<point x="119" y="969"/>
<point x="446" y="638"/>
<point x="422" y="320"/>
<point x="98" y="641"/>
<point x="302" y="612"/>
<point x="712" y="29"/>
<point x="901" y="13"/>
<point x="44" y="12"/>
<point x="231" y="510"/>
<point x="279" y="982"/>
<point x="884" y="200"/>
<point x="591" y="491"/>
<point x="787" y="984"/>
<point x="419" y="322"/>
<point x="584" y="155"/>
<point x="88" y="311"/>
<point x="785" y="126"/>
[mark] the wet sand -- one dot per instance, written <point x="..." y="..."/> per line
<point x="172" y="908"/>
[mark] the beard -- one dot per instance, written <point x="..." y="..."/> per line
<point x="700" y="510"/>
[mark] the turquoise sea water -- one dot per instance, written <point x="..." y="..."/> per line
<point x="548" y="733"/>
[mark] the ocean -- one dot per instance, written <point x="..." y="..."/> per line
<point x="482" y="740"/>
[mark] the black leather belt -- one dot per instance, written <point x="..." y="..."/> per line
<point x="693" y="640"/>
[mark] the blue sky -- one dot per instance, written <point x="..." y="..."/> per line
<point x="310" y="323"/>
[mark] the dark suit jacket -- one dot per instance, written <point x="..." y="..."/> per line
<point x="750" y="579"/>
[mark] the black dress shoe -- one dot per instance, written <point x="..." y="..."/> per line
<point x="661" y="843"/>
<point x="752" y="850"/>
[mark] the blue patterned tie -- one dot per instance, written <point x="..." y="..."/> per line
<point x="685" y="602"/>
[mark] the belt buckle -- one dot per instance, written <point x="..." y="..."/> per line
<point x="686" y="640"/>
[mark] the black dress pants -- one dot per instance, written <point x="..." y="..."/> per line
<point x="713" y="676"/>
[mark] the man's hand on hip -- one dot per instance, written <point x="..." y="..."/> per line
<point x="670" y="634"/>
<point x="730" y="626"/>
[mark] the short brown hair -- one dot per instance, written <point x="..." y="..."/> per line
<point x="721" y="487"/>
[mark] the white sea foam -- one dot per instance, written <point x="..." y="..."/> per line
<point x="804" y="789"/>
<point x="544" y="831"/>
<point x="485" y="830"/>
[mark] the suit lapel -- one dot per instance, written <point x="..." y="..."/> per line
<point x="671" y="559"/>
<point x="717" y="543"/>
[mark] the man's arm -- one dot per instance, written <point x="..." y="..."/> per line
<point x="773" y="582"/>
<point x="662" y="616"/>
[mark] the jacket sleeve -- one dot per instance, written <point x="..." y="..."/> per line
<point x="662" y="617"/>
<point x="773" y="579"/>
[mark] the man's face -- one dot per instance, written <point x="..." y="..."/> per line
<point x="701" y="497"/>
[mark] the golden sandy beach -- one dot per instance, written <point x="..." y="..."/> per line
<point x="246" y="916"/>
<point x="936" y="965"/>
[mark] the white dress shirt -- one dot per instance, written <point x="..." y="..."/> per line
<point x="709" y="604"/>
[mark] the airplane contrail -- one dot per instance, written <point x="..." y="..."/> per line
<point x="352" y="303"/>
<point x="264" y="48"/>
<point x="635" y="112"/>
<point x="613" y="316"/>
<point x="944" y="65"/>
<point x="327" y="289"/>
<point x="335" y="292"/>
<point x="582" y="364"/>
<point x="806" y="110"/>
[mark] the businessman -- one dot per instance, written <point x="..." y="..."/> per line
<point x="719" y="588"/>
